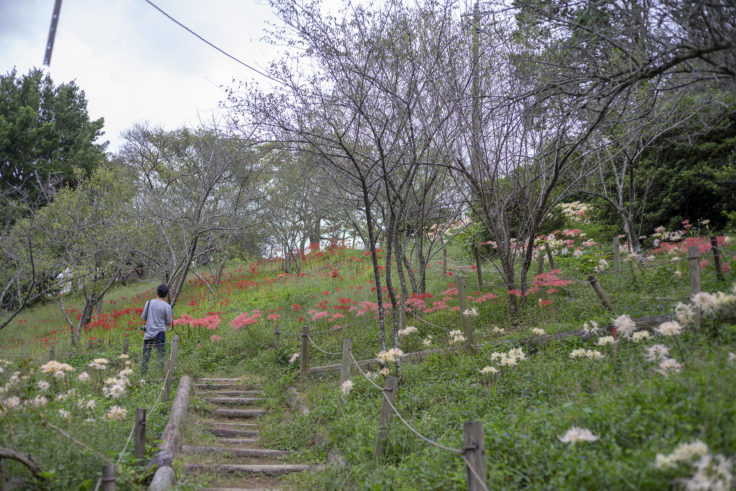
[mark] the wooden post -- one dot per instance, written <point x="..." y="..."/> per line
<point x="52" y="353"/>
<point x="540" y="262"/>
<point x="276" y="333"/>
<point x="389" y="391"/>
<point x="693" y="257"/>
<point x="616" y="255"/>
<point x="89" y="345"/>
<point x="108" y="477"/>
<point x="304" y="354"/>
<point x="467" y="327"/>
<point x="126" y="345"/>
<point x="140" y="434"/>
<point x="716" y="257"/>
<point x="347" y="345"/>
<point x="170" y="367"/>
<point x="475" y="453"/>
<point x="549" y="256"/>
<point x="478" y="267"/>
<point x="444" y="257"/>
<point x="601" y="294"/>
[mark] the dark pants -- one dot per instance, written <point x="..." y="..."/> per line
<point x="159" y="342"/>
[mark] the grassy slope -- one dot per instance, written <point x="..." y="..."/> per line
<point x="636" y="412"/>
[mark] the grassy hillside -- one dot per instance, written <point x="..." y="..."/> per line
<point x="635" y="408"/>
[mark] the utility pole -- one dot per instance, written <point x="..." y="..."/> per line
<point x="52" y="33"/>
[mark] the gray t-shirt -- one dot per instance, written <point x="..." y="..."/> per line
<point x="157" y="314"/>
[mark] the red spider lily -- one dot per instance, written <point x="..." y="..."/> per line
<point x="215" y="339"/>
<point x="296" y="307"/>
<point x="273" y="317"/>
<point x="320" y="315"/>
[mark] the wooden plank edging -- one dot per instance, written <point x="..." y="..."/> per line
<point x="164" y="477"/>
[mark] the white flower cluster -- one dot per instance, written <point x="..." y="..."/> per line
<point x="624" y="325"/>
<point x="470" y="312"/>
<point x="711" y="471"/>
<point x="116" y="413"/>
<point x="56" y="369"/>
<point x="99" y="364"/>
<point x="586" y="353"/>
<point x="590" y="328"/>
<point x="489" y="370"/>
<point x="672" y="328"/>
<point x="456" y="336"/>
<point x="604" y="340"/>
<point x="509" y="359"/>
<point x="293" y="358"/>
<point x="574" y="210"/>
<point x="407" y="330"/>
<point x="115" y="386"/>
<point x="346" y="387"/>
<point x="427" y="342"/>
<point x="577" y="434"/>
<point x="601" y="266"/>
<point x="389" y="356"/>
<point x="498" y="330"/>
<point x="538" y="332"/>
<point x="640" y="336"/>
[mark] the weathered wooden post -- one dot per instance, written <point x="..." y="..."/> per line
<point x="304" y="354"/>
<point x="540" y="262"/>
<point x="549" y="256"/>
<point x="693" y="257"/>
<point x="170" y="367"/>
<point x="467" y="327"/>
<point x="126" y="345"/>
<point x="108" y="477"/>
<point x="389" y="395"/>
<point x="616" y="255"/>
<point x="276" y="333"/>
<point x="716" y="257"/>
<point x="52" y="353"/>
<point x="475" y="453"/>
<point x="347" y="345"/>
<point x="601" y="294"/>
<point x="140" y="434"/>
<point x="478" y="267"/>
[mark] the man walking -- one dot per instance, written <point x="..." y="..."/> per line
<point x="157" y="314"/>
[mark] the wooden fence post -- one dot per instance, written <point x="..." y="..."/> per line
<point x="108" y="477"/>
<point x="462" y="300"/>
<point x="389" y="391"/>
<point x="304" y="354"/>
<point x="616" y="255"/>
<point x="601" y="294"/>
<point x="478" y="267"/>
<point x="540" y="262"/>
<point x="716" y="257"/>
<point x="276" y="333"/>
<point x="140" y="434"/>
<point x="693" y="257"/>
<point x="52" y="353"/>
<point x="126" y="345"/>
<point x="347" y="345"/>
<point x="475" y="453"/>
<point x="170" y="367"/>
<point x="549" y="256"/>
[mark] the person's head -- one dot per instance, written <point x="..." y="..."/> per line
<point x="162" y="291"/>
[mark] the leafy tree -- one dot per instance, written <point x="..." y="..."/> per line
<point x="45" y="136"/>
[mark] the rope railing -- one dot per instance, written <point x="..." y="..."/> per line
<point x="414" y="430"/>
<point x="330" y="353"/>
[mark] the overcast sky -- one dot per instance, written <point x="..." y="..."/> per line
<point x="133" y="63"/>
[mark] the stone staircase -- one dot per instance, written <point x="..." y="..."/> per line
<point x="232" y="458"/>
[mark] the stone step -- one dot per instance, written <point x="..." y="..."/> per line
<point x="233" y="401"/>
<point x="232" y="432"/>
<point x="234" y="393"/>
<point x="267" y="469"/>
<point x="238" y="441"/>
<point x="229" y="424"/>
<point x="237" y="451"/>
<point x="239" y="413"/>
<point x="211" y="387"/>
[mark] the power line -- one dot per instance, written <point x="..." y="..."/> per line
<point x="263" y="74"/>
